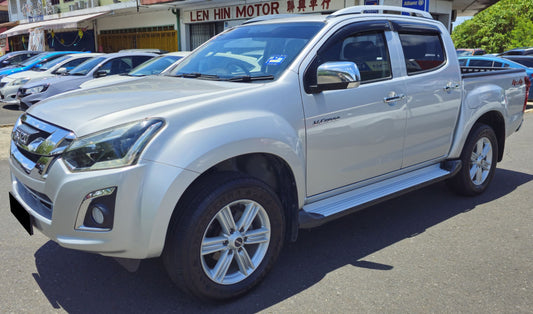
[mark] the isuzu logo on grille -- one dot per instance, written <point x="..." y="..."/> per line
<point x="21" y="137"/>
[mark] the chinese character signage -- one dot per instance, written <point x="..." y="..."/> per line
<point x="251" y="10"/>
<point x="416" y="4"/>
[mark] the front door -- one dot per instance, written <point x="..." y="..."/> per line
<point x="354" y="134"/>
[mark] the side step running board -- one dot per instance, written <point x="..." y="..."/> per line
<point x="320" y="212"/>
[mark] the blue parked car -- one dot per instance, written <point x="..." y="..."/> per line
<point x="15" y="57"/>
<point x="33" y="62"/>
<point x="496" y="62"/>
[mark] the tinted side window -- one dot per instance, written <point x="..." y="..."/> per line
<point x="136" y="60"/>
<point x="480" y="63"/>
<point x="462" y="62"/>
<point x="74" y="63"/>
<point x="367" y="50"/>
<point x="422" y="52"/>
<point x="497" y="64"/>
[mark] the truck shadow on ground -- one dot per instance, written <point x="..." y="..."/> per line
<point x="81" y="283"/>
<point x="12" y="107"/>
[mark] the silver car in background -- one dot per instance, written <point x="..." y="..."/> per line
<point x="11" y="83"/>
<point x="153" y="66"/>
<point x="109" y="64"/>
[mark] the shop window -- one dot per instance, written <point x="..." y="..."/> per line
<point x="200" y="33"/>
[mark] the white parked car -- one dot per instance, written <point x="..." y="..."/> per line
<point x="11" y="83"/>
<point x="153" y="66"/>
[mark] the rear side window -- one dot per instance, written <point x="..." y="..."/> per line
<point x="422" y="52"/>
<point x="497" y="64"/>
<point x="462" y="62"/>
<point x="480" y="63"/>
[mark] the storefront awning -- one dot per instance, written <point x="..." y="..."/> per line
<point x="62" y="23"/>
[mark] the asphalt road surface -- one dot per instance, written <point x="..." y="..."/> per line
<point x="427" y="251"/>
<point x="8" y="114"/>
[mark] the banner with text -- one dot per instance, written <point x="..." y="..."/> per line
<point x="251" y="10"/>
<point x="422" y="5"/>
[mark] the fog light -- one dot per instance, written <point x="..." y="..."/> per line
<point x="97" y="213"/>
<point x="97" y="210"/>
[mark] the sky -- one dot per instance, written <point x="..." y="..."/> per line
<point x="461" y="19"/>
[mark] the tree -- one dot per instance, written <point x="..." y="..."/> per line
<point x="505" y="25"/>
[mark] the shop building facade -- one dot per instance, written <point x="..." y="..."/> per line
<point x="112" y="25"/>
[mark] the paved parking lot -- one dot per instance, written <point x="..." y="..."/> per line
<point x="427" y="251"/>
<point x="8" y="114"/>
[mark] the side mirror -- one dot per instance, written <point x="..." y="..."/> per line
<point x="100" y="73"/>
<point x="61" y="70"/>
<point x="337" y="75"/>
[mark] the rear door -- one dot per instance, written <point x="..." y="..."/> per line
<point x="353" y="134"/>
<point x="434" y="95"/>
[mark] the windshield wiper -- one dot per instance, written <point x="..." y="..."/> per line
<point x="248" y="78"/>
<point x="199" y="75"/>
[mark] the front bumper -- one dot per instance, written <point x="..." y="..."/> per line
<point x="8" y="93"/>
<point x="146" y="195"/>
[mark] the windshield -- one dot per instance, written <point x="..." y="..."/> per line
<point x="52" y="63"/>
<point x="154" y="66"/>
<point x="31" y="60"/>
<point x="86" y="66"/>
<point x="249" y="52"/>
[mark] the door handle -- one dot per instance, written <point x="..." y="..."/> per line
<point x="451" y="86"/>
<point x="392" y="99"/>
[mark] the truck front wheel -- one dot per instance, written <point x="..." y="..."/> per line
<point x="229" y="235"/>
<point x="479" y="158"/>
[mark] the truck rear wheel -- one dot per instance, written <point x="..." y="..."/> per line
<point x="228" y="237"/>
<point x="479" y="158"/>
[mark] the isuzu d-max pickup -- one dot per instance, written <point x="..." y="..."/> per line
<point x="278" y="124"/>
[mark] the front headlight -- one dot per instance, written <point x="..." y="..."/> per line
<point x="116" y="147"/>
<point x="20" y="81"/>
<point x="36" y="89"/>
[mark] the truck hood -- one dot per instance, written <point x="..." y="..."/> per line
<point x="88" y="111"/>
<point x="108" y="80"/>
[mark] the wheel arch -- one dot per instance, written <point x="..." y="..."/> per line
<point x="266" y="167"/>
<point x="495" y="120"/>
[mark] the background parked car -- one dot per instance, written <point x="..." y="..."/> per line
<point x="522" y="59"/>
<point x="151" y="67"/>
<point x="35" y="61"/>
<point x="61" y="65"/>
<point x="114" y="63"/>
<point x="497" y="62"/>
<point x="469" y="52"/>
<point x="518" y="51"/>
<point x="16" y="57"/>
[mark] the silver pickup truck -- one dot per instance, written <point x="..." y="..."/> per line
<point x="278" y="124"/>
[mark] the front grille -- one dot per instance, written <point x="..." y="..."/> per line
<point x="39" y="202"/>
<point x="37" y="144"/>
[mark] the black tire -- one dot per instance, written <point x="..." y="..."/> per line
<point x="201" y="214"/>
<point x="478" y="167"/>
